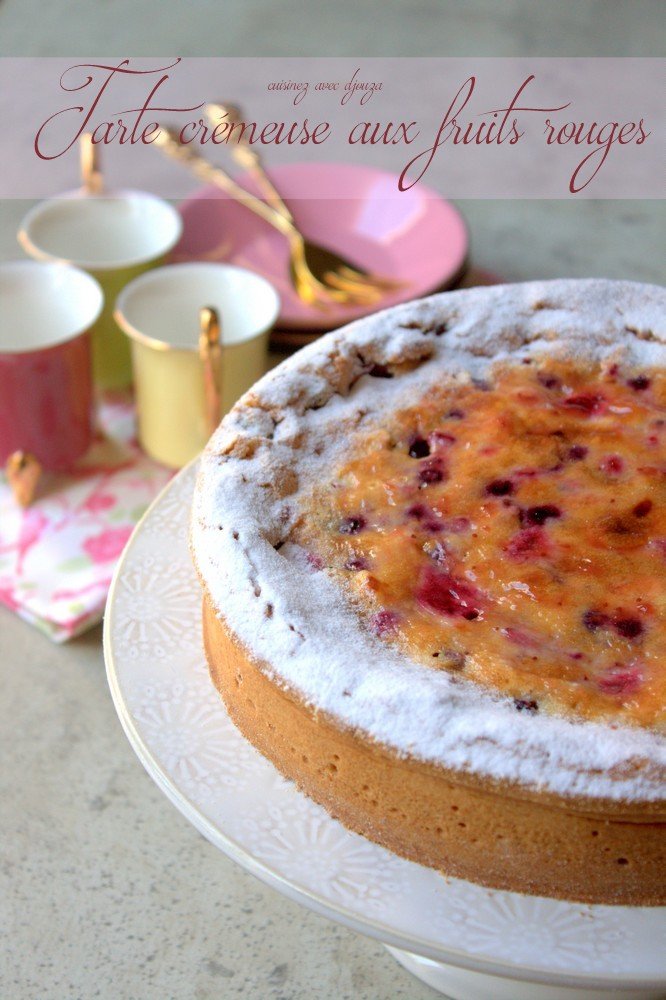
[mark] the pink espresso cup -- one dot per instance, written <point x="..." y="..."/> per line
<point x="46" y="400"/>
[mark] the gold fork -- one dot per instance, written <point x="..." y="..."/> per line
<point x="308" y="287"/>
<point x="328" y="266"/>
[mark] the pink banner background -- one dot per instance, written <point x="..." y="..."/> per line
<point x="415" y="92"/>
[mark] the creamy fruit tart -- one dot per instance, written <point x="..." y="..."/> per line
<point x="433" y="555"/>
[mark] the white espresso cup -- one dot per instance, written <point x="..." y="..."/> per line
<point x="114" y="236"/>
<point x="161" y="314"/>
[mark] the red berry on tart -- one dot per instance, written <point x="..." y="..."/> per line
<point x="433" y="553"/>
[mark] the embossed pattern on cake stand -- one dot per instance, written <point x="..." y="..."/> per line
<point x="468" y="942"/>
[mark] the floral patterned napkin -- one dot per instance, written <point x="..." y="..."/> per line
<point x="57" y="557"/>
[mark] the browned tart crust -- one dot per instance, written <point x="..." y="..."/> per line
<point x="423" y="761"/>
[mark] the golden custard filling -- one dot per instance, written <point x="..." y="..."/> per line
<point x="514" y="532"/>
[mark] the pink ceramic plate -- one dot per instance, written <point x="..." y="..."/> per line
<point x="414" y="237"/>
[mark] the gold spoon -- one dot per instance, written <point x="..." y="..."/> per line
<point x="328" y="266"/>
<point x="309" y="288"/>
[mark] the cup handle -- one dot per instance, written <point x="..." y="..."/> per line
<point x="91" y="174"/>
<point x="23" y="475"/>
<point x="210" y="352"/>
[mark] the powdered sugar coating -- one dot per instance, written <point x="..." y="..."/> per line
<point x="290" y="430"/>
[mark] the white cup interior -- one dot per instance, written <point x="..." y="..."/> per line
<point x="164" y="305"/>
<point x="42" y="305"/>
<point x="101" y="231"/>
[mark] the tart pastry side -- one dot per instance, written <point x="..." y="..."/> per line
<point x="372" y="613"/>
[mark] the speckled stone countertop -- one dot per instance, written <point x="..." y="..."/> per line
<point x="106" y="889"/>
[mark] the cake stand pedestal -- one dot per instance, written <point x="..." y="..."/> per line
<point x="464" y="984"/>
<point x="468" y="942"/>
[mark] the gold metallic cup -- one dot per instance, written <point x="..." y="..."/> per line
<point x="114" y="236"/>
<point x="193" y="360"/>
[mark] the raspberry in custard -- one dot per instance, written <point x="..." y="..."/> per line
<point x="515" y="525"/>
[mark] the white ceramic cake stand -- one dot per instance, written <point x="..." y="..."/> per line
<point x="468" y="942"/>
